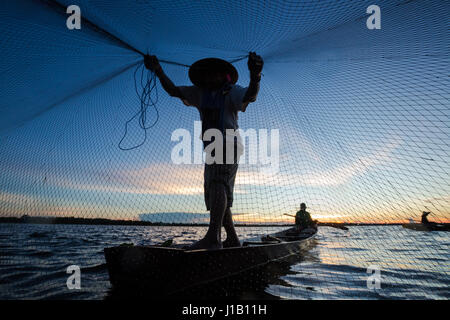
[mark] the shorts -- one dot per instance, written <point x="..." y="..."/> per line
<point x="220" y="173"/>
<point x="223" y="173"/>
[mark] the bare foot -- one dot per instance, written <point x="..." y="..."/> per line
<point x="231" y="243"/>
<point x="204" y="244"/>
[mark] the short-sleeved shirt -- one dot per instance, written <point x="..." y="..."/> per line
<point x="232" y="103"/>
<point x="193" y="96"/>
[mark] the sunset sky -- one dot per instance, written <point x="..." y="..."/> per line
<point x="363" y="126"/>
<point x="67" y="163"/>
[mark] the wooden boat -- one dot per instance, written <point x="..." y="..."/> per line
<point x="168" y="270"/>
<point x="427" y="227"/>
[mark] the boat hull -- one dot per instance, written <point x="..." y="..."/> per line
<point x="427" y="227"/>
<point x="170" y="270"/>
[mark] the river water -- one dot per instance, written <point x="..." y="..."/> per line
<point x="366" y="262"/>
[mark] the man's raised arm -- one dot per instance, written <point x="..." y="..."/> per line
<point x="152" y="63"/>
<point x="255" y="65"/>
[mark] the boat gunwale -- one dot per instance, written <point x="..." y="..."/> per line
<point x="252" y="244"/>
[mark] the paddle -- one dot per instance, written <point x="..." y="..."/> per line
<point x="333" y="225"/>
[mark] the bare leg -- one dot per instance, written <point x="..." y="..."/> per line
<point x="232" y="238"/>
<point x="218" y="201"/>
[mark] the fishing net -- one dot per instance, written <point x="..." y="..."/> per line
<point x="362" y="117"/>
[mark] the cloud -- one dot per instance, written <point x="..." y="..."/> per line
<point x="175" y="217"/>
<point x="292" y="138"/>
<point x="171" y="179"/>
<point x="325" y="177"/>
<point x="15" y="204"/>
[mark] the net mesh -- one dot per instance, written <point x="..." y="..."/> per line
<point x="363" y="118"/>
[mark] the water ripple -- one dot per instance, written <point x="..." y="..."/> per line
<point x="413" y="265"/>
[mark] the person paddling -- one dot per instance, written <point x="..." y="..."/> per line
<point x="218" y="99"/>
<point x="425" y="218"/>
<point x="303" y="219"/>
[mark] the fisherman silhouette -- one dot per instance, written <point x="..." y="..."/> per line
<point x="218" y="99"/>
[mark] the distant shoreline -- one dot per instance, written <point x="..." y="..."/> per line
<point x="99" y="221"/>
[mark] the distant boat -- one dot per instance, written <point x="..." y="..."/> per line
<point x="427" y="226"/>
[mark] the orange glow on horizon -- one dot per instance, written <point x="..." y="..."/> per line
<point x="17" y="204"/>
